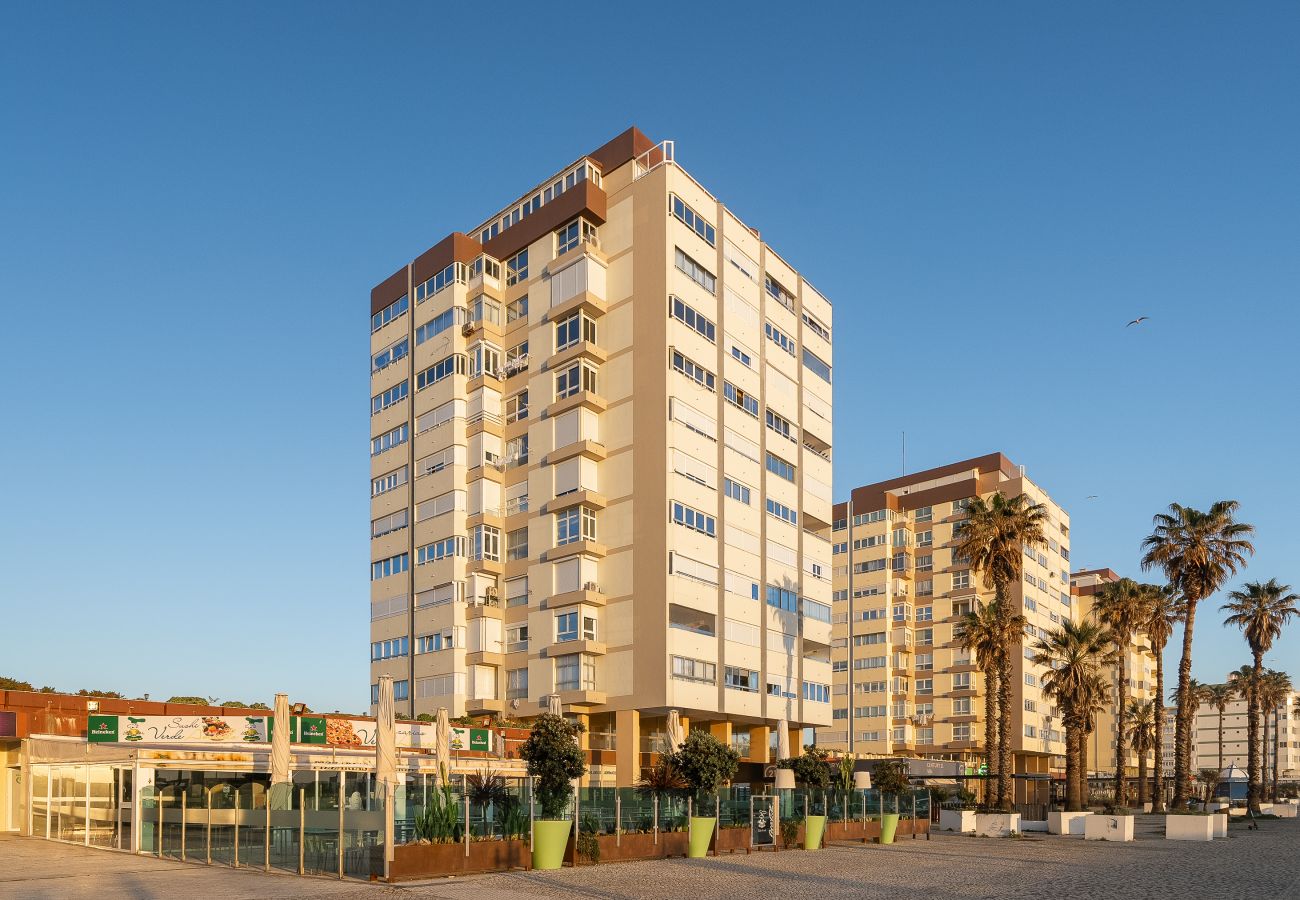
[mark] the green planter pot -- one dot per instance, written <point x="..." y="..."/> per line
<point x="888" y="827"/>
<point x="550" y="839"/>
<point x="701" y="834"/>
<point x="813" y="829"/>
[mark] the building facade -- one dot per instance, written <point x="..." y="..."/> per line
<point x="903" y="685"/>
<point x="1141" y="667"/>
<point x="600" y="463"/>
<point x="1284" y="744"/>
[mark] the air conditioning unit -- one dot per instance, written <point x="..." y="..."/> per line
<point x="467" y="329"/>
<point x="592" y="586"/>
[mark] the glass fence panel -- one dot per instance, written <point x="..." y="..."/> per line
<point x="636" y="811"/>
<point x="40" y="800"/>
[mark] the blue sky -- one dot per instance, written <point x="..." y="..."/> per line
<point x="195" y="202"/>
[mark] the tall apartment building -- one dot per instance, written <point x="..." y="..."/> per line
<point x="600" y="463"/>
<point x="903" y="685"/>
<point x="1236" y="750"/>
<point x="1141" y="677"/>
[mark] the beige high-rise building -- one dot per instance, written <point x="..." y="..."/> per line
<point x="903" y="685"/>
<point x="1141" y="678"/>
<point x="600" y="462"/>
<point x="1284" y="744"/>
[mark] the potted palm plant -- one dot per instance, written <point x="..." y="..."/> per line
<point x="554" y="760"/>
<point x="705" y="763"/>
<point x="813" y="770"/>
<point x="890" y="778"/>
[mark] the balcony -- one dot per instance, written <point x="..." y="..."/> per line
<point x="593" y="450"/>
<point x="582" y="697"/>
<point x="580" y="350"/>
<point x="484" y="658"/>
<point x="483" y="706"/>
<point x="583" y="497"/>
<point x="590" y="596"/>
<point x="484" y="608"/>
<point x="590" y="399"/>
<point x="577" y="548"/>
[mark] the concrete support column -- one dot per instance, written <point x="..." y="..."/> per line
<point x="760" y="737"/>
<point x="627" y="728"/>
<point x="796" y="742"/>
<point x="584" y="739"/>
<point x="721" y="731"/>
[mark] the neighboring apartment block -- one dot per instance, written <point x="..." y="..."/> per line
<point x="600" y="463"/>
<point x="1284" y="743"/>
<point x="1141" y="677"/>
<point x="903" y="685"/>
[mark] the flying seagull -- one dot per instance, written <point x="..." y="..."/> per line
<point x="1091" y="497"/>
<point x="1138" y="321"/>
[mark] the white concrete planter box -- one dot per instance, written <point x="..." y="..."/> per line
<point x="1220" y="824"/>
<point x="1189" y="828"/>
<point x="1029" y="825"/>
<point x="996" y="824"/>
<point x="1066" y="822"/>
<point x="1217" y="807"/>
<point x="1102" y="827"/>
<point x="1265" y="809"/>
<point x="1146" y="807"/>
<point x="962" y="820"/>
<point x="1285" y="811"/>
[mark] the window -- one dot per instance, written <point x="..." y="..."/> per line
<point x="815" y="365"/>
<point x="517" y="407"/>
<point x="389" y="523"/>
<point x="778" y="293"/>
<point x="388" y="481"/>
<point x="389" y="313"/>
<point x="390" y="439"/>
<point x="394" y="395"/>
<point x="925" y="614"/>
<point x="738" y="398"/>
<point x="574" y="328"/>
<point x="1030" y="679"/>
<point x="578" y="523"/>
<point x="697" y="273"/>
<point x="487" y="543"/>
<point x="693" y="370"/>
<point x="781" y="511"/>
<point x="781" y="426"/>
<point x="744" y="358"/>
<point x="782" y="598"/>
<point x="961" y="681"/>
<point x="691" y="219"/>
<point x="573" y="234"/>
<point x="924" y="514"/>
<point x="517" y="268"/>
<point x="1031" y="706"/>
<point x="685" y="669"/>
<point x="735" y="490"/>
<point x="925" y="685"/>
<point x="389" y="355"/>
<point x="517" y="544"/>
<point x="454" y="273"/>
<point x="440" y="323"/>
<point x="439" y="640"/>
<point x="776" y="336"/>
<point x="777" y="466"/>
<point x="517" y="310"/>
<point x="817" y="693"/>
<point x="451" y="365"/>
<point x="566" y="627"/>
<point x="443" y="549"/>
<point x="924" y="538"/>
<point x="589" y="628"/>
<point x="401" y="690"/>
<point x="517" y="684"/>
<point x="388" y="649"/>
<point x="484" y="359"/>
<point x="687" y="315"/>
<point x="961" y="706"/>
<point x="816" y="327"/>
<point x="575" y="672"/>
<point x="694" y="519"/>
<point x="961" y="580"/>
<point x="580" y="376"/>
<point x="813" y="609"/>
<point x="393" y="565"/>
<point x="962" y="732"/>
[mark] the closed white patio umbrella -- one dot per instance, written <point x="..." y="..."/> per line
<point x="281" y="777"/>
<point x="676" y="734"/>
<point x="386" y="760"/>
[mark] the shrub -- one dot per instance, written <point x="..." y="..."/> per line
<point x="814" y="770"/>
<point x="789" y="833"/>
<point x="705" y="763"/>
<point x="554" y="760"/>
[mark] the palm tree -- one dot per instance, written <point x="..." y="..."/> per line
<point x="1249" y="683"/>
<point x="1218" y="696"/>
<point x="1162" y="613"/>
<point x="994" y="538"/>
<point x="982" y="633"/>
<point x="1276" y="688"/>
<point x="1198" y="551"/>
<point x="1141" y="725"/>
<point x="1121" y="606"/>
<point x="1074" y="655"/>
<point x="1260" y="609"/>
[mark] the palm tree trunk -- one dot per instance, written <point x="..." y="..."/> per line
<point x="1158" y="796"/>
<point x="1143" y="791"/>
<point x="1082" y="774"/>
<point x="1002" y="596"/>
<point x="1222" y="710"/>
<point x="1252" y="736"/>
<point x="1072" y="801"/>
<point x="990" y="723"/>
<point x="1122" y="707"/>
<point x="1277" y="751"/>
<point x="1183" y="729"/>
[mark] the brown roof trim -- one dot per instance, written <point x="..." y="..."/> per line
<point x="875" y="496"/>
<point x="624" y="148"/>
<point x="455" y="247"/>
<point x="1108" y="573"/>
<point x="583" y="199"/>
<point x="388" y="290"/>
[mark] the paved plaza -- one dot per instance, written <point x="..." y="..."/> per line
<point x="1262" y="865"/>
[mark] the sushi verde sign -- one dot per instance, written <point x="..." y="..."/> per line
<point x="200" y="729"/>
<point x="177" y="729"/>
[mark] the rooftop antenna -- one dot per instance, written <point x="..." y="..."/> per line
<point x="904" y="472"/>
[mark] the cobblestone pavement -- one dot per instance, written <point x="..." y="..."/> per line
<point x="1262" y="865"/>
